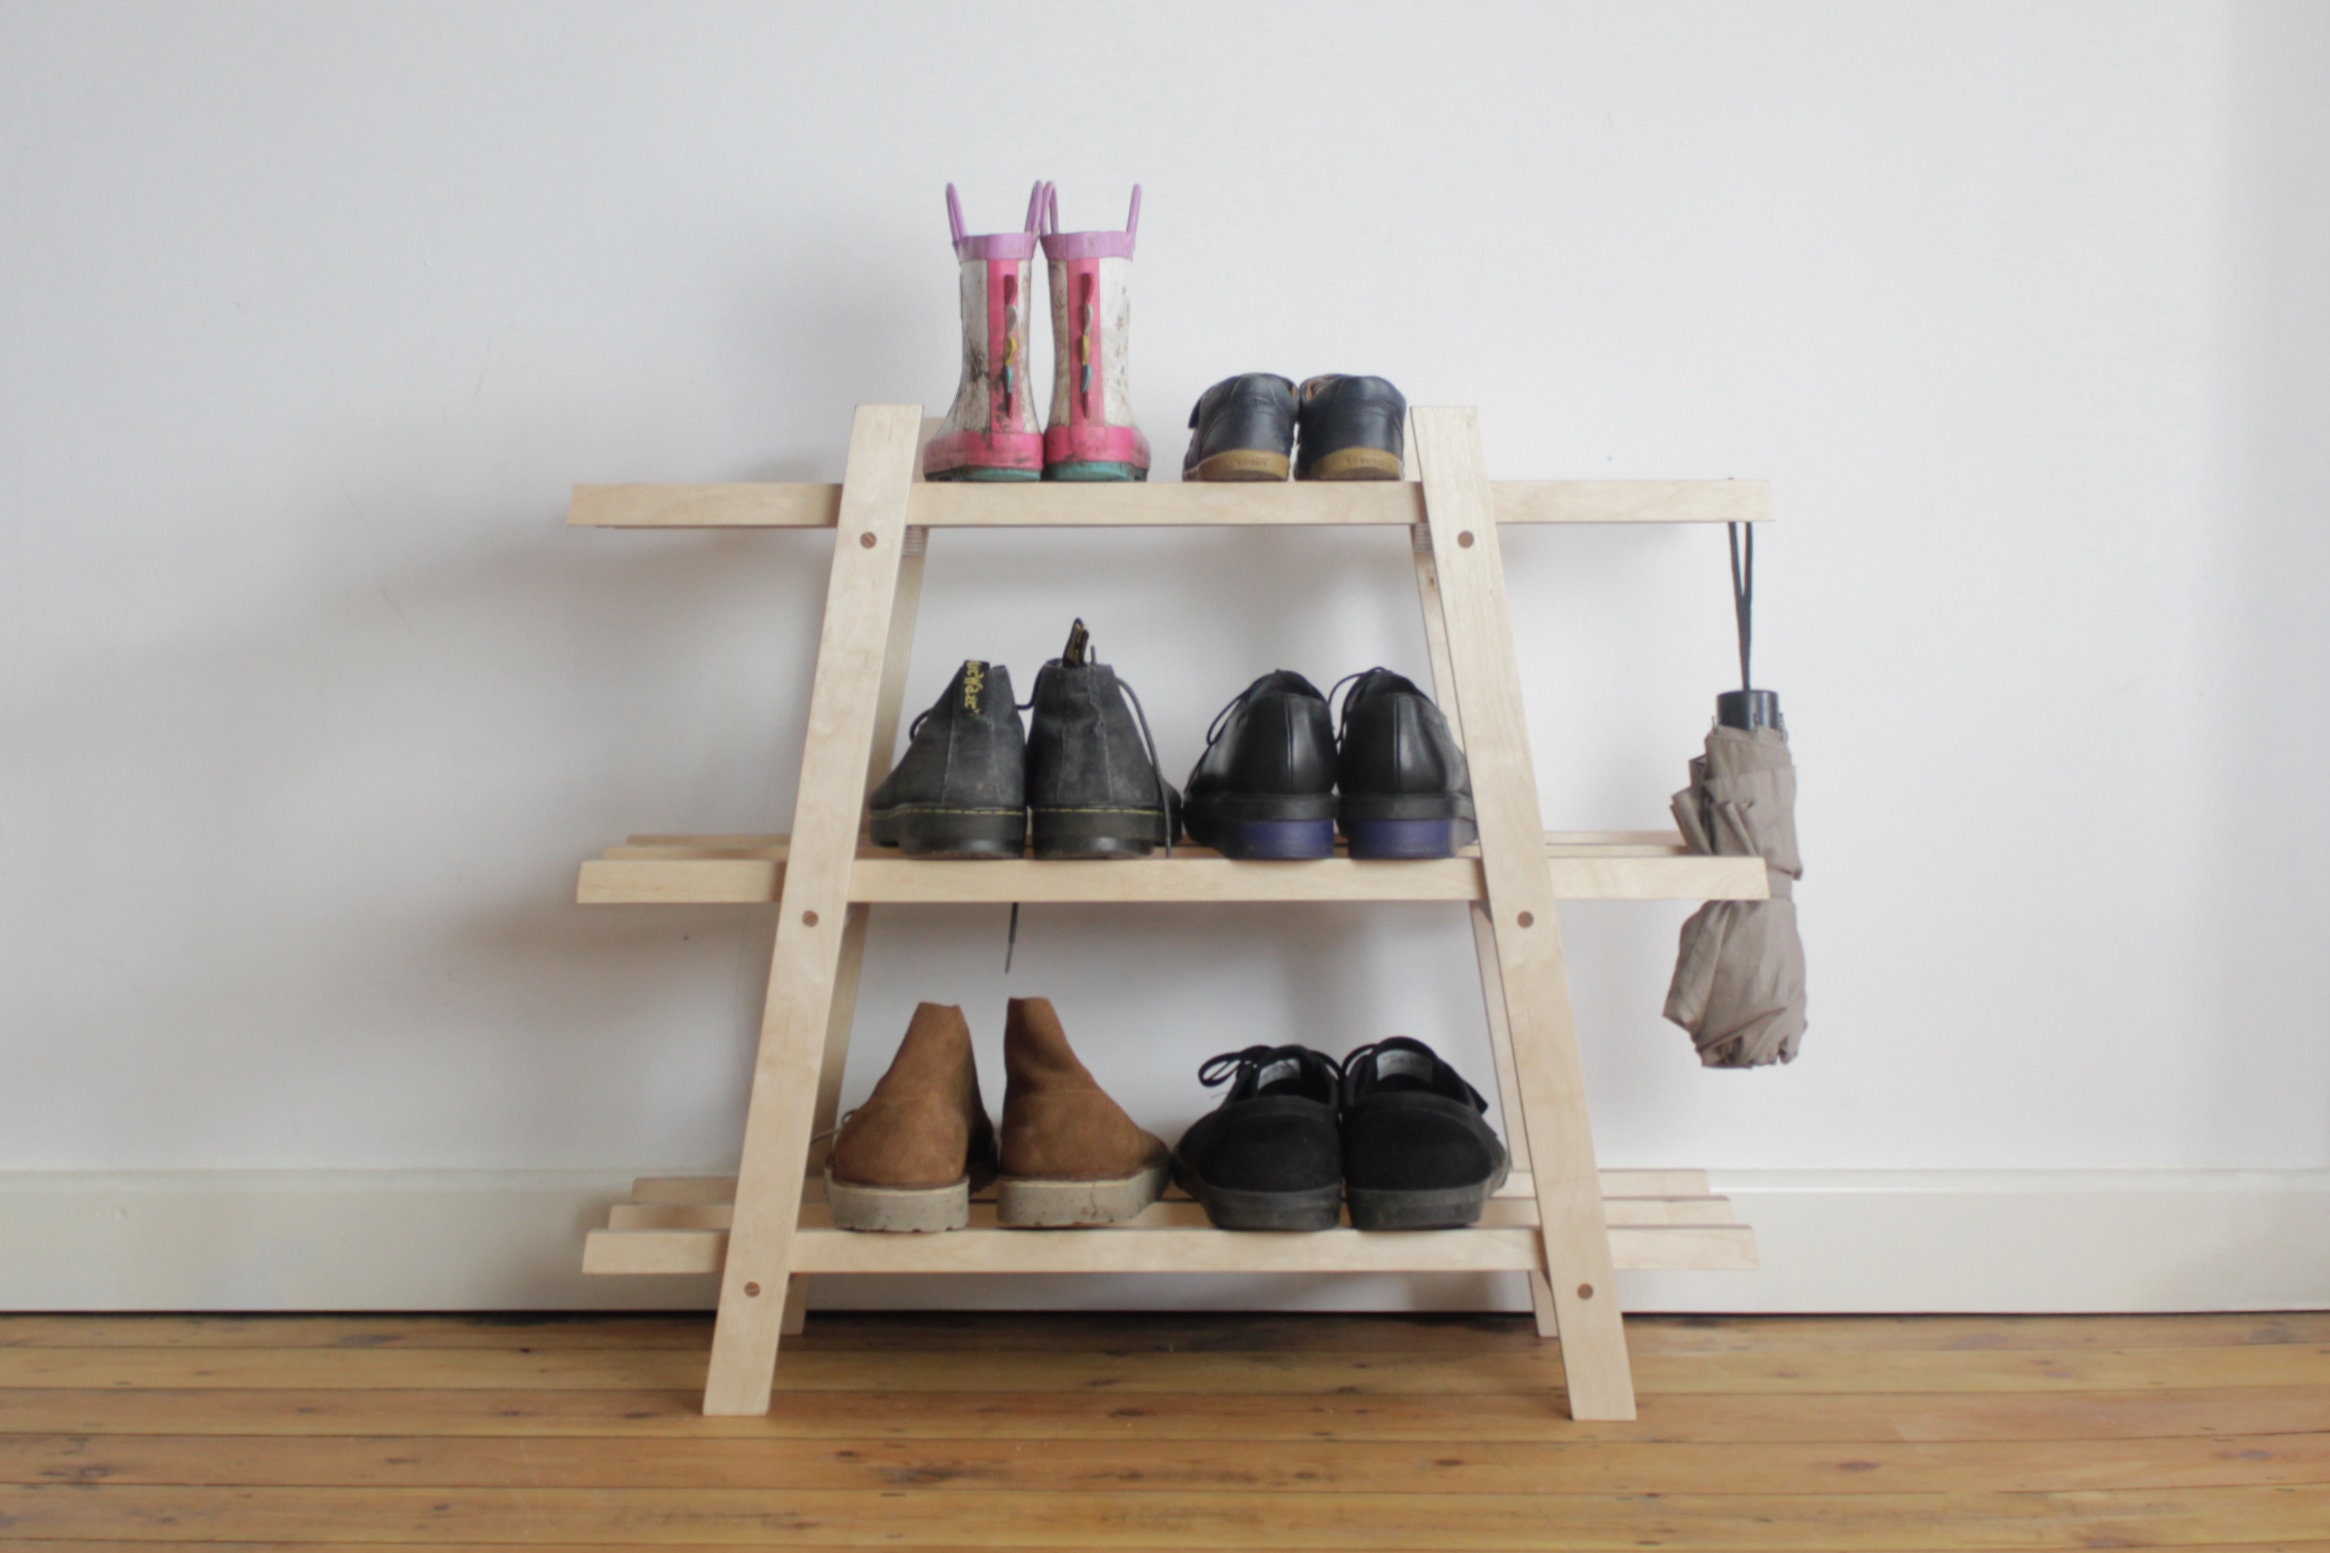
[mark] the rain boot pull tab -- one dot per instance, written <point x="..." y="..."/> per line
<point x="1746" y="708"/>
<point x="1079" y="648"/>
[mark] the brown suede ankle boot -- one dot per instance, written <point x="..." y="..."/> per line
<point x="910" y="1157"/>
<point x="1070" y="1154"/>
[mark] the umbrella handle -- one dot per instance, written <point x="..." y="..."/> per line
<point x="1746" y="708"/>
<point x="1750" y="709"/>
<point x="1743" y="596"/>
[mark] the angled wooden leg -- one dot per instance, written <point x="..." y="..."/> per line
<point x="888" y="710"/>
<point x="813" y="907"/>
<point x="1461" y="515"/>
<point x="1484" y="946"/>
<point x="1484" y="941"/>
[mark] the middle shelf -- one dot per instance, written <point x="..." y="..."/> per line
<point x="749" y="870"/>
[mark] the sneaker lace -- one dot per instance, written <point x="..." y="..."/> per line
<point x="1223" y="1067"/>
<point x="1359" y="1054"/>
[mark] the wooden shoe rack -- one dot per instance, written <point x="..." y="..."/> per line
<point x="1560" y="1219"/>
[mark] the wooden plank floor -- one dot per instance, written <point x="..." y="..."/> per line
<point x="1344" y="1433"/>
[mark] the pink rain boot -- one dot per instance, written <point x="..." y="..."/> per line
<point x="1091" y="435"/>
<point x="990" y="430"/>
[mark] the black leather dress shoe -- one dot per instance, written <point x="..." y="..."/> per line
<point x="1241" y="429"/>
<point x="1406" y="790"/>
<point x="1353" y="428"/>
<point x="1271" y="1155"/>
<point x="1265" y="786"/>
<point x="960" y="790"/>
<point x="1418" y="1152"/>
<point x="1093" y="789"/>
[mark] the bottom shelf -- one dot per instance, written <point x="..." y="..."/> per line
<point x="1664" y="1220"/>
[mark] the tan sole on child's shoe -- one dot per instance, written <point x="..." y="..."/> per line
<point x="1038" y="1204"/>
<point x="1357" y="464"/>
<point x="1242" y="464"/>
<point x="911" y="1210"/>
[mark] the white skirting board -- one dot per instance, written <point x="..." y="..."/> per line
<point x="1831" y="1240"/>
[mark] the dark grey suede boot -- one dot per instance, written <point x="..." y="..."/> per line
<point x="1093" y="789"/>
<point x="961" y="788"/>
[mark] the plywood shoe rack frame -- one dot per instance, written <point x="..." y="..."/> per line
<point x="1559" y="1219"/>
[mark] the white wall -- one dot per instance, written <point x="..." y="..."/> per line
<point x="309" y="316"/>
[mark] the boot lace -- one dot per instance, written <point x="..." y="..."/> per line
<point x="1080" y="649"/>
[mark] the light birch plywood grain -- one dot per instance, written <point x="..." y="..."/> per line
<point x="1191" y="874"/>
<point x="1186" y="1248"/>
<point x="1182" y="1213"/>
<point x="1171" y="504"/>
<point x="1615" y="1183"/>
<point x="889" y="708"/>
<point x="1484" y="939"/>
<point x="825" y="886"/>
<point x="1469" y="566"/>
<point x="813" y="905"/>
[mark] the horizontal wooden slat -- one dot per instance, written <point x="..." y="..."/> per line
<point x="685" y="1189"/>
<point x="1167" y="503"/>
<point x="1629" y="843"/>
<point x="1519" y="1184"/>
<point x="1615" y="1183"/>
<point x="1190" y="875"/>
<point x="776" y="848"/>
<point x="1182" y="1213"/>
<point x="1184" y="1249"/>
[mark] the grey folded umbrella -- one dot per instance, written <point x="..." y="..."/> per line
<point x="1739" y="980"/>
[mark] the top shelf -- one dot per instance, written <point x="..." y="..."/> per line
<point x="1169" y="504"/>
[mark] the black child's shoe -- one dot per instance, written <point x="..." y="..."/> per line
<point x="1407" y="791"/>
<point x="1417" y="1153"/>
<point x="1352" y="429"/>
<point x="1241" y="429"/>
<point x="1270" y="1155"/>
<point x="1265" y="786"/>
<point x="961" y="788"/>
<point x="1093" y="788"/>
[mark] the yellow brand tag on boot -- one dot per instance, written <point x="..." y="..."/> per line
<point x="974" y="684"/>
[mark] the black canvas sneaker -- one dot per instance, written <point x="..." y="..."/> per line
<point x="1269" y="1157"/>
<point x="1418" y="1152"/>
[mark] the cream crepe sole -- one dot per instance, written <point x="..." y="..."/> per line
<point x="912" y="1210"/>
<point x="1023" y="1203"/>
